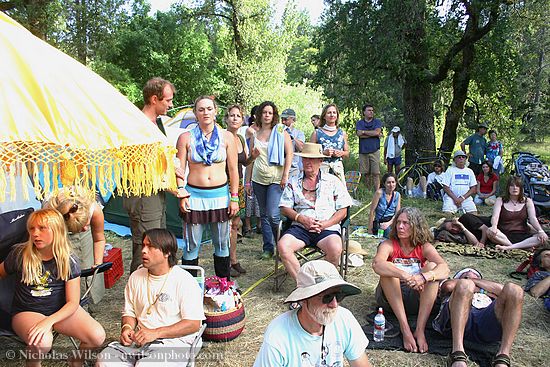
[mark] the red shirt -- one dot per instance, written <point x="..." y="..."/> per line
<point x="411" y="263"/>
<point x="486" y="187"/>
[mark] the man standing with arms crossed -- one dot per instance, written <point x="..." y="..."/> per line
<point x="369" y="131"/>
<point x="147" y="212"/>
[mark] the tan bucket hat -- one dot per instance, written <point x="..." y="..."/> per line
<point x="354" y="247"/>
<point x="312" y="150"/>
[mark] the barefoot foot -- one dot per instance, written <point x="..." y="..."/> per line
<point x="409" y="342"/>
<point x="421" y="341"/>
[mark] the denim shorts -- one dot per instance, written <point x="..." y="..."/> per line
<point x="395" y="161"/>
<point x="482" y="326"/>
<point x="311" y="239"/>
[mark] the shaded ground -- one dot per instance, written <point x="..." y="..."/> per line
<point x="262" y="305"/>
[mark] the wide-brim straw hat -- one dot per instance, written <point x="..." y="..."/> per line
<point x="354" y="247"/>
<point x="312" y="150"/>
<point x="316" y="277"/>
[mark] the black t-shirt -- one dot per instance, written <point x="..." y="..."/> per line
<point x="48" y="296"/>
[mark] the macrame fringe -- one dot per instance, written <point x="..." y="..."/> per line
<point x="131" y="170"/>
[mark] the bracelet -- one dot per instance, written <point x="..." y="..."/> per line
<point x="248" y="184"/>
<point x="234" y="194"/>
<point x="126" y="326"/>
<point x="433" y="275"/>
<point x="542" y="231"/>
<point x="234" y="199"/>
<point x="425" y="279"/>
<point x="181" y="187"/>
<point x="297" y="216"/>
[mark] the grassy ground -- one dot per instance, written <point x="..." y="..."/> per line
<point x="263" y="304"/>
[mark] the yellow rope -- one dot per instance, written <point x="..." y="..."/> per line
<point x="262" y="279"/>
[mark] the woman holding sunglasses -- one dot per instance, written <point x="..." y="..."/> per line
<point x="85" y="224"/>
<point x="409" y="268"/>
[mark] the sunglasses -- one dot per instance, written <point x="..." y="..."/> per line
<point x="327" y="298"/>
<point x="438" y="165"/>
<point x="72" y="210"/>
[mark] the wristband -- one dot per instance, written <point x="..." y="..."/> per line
<point x="181" y="187"/>
<point x="126" y="326"/>
<point x="296" y="217"/>
<point x="234" y="194"/>
<point x="234" y="199"/>
<point x="248" y="184"/>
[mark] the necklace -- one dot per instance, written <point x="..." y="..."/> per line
<point x="514" y="203"/>
<point x="329" y="128"/>
<point x="208" y="133"/>
<point x="323" y="354"/>
<point x="308" y="190"/>
<point x="149" y="296"/>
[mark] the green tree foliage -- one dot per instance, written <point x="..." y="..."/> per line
<point x="370" y="49"/>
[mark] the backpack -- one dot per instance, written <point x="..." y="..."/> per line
<point x="533" y="264"/>
<point x="13" y="229"/>
<point x="433" y="191"/>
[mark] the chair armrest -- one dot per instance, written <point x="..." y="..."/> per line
<point x="97" y="270"/>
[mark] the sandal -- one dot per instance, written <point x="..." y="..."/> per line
<point x="501" y="359"/>
<point x="458" y="356"/>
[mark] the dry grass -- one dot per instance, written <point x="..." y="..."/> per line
<point x="263" y="304"/>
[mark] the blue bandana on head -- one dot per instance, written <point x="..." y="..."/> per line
<point x="204" y="147"/>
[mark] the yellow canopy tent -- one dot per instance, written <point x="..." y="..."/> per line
<point x="60" y="120"/>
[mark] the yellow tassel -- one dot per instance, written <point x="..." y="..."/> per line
<point x="24" y="176"/>
<point x="46" y="170"/>
<point x="55" y="173"/>
<point x="12" y="182"/>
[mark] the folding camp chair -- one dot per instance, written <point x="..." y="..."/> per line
<point x="310" y="253"/>
<point x="7" y="286"/>
<point x="14" y="224"/>
<point x="197" y="343"/>
<point x="352" y="181"/>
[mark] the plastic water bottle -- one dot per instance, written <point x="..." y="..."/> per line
<point x="380" y="233"/>
<point x="379" y="326"/>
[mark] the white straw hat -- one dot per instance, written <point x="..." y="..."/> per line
<point x="317" y="276"/>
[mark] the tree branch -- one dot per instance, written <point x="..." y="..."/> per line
<point x="468" y="38"/>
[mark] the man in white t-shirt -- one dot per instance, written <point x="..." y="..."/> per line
<point x="163" y="309"/>
<point x="459" y="185"/>
<point x="319" y="332"/>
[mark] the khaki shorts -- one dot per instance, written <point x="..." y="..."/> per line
<point x="369" y="163"/>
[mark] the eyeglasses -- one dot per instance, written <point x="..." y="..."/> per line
<point x="72" y="210"/>
<point x="327" y="298"/>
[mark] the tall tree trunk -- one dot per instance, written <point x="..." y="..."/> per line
<point x="461" y="82"/>
<point x="419" y="117"/>
<point x="417" y="91"/>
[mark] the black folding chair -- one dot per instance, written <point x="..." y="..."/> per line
<point x="310" y="253"/>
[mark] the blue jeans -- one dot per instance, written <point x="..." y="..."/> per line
<point x="268" y="197"/>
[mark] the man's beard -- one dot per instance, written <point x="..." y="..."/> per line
<point x="323" y="315"/>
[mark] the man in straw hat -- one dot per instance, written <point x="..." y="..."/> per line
<point x="480" y="311"/>
<point x="316" y="203"/>
<point x="320" y="332"/>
